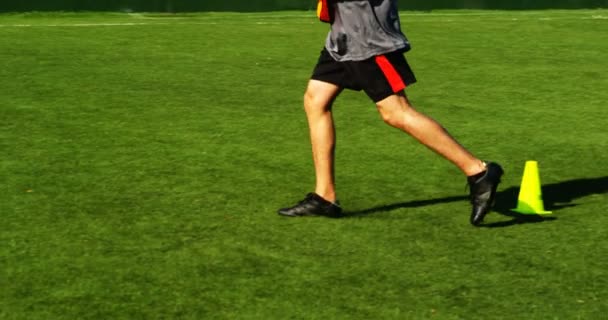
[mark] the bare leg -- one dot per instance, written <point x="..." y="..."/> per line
<point x="397" y="111"/>
<point x="318" y="101"/>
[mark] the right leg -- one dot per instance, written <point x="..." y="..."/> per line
<point x="327" y="81"/>
<point x="318" y="101"/>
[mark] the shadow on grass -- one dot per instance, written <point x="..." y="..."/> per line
<point x="556" y="196"/>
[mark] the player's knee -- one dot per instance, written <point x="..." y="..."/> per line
<point x="393" y="117"/>
<point x="398" y="113"/>
<point x="388" y="118"/>
<point x="308" y="98"/>
<point x="313" y="102"/>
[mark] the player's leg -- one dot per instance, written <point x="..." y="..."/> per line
<point x="397" y="111"/>
<point x="388" y="77"/>
<point x="327" y="81"/>
<point x="318" y="101"/>
<point x="483" y="178"/>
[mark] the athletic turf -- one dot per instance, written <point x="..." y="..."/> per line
<point x="143" y="158"/>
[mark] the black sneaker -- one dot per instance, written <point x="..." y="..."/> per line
<point x="483" y="190"/>
<point x="312" y="205"/>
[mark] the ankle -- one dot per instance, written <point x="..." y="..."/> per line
<point x="476" y="168"/>
<point x="329" y="196"/>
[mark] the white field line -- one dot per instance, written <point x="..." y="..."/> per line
<point x="402" y="13"/>
<point x="260" y="20"/>
<point x="116" y="24"/>
<point x="103" y="24"/>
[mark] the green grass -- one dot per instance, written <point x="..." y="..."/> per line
<point x="144" y="157"/>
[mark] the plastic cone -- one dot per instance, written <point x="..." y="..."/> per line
<point x="530" y="200"/>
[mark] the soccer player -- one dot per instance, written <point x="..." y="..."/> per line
<point x="364" y="50"/>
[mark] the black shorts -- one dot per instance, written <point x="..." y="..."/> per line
<point x="380" y="76"/>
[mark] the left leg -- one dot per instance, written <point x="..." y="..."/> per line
<point x="397" y="111"/>
<point x="483" y="179"/>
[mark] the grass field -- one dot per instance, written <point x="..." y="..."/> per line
<point x="143" y="158"/>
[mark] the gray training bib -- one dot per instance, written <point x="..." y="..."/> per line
<point x="364" y="28"/>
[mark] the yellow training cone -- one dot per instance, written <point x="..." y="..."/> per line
<point x="530" y="200"/>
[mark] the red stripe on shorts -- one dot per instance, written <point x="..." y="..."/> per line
<point x="391" y="74"/>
